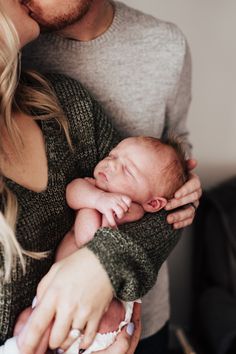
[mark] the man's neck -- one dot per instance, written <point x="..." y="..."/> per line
<point x="94" y="23"/>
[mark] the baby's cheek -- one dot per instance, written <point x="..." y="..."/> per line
<point x="112" y="318"/>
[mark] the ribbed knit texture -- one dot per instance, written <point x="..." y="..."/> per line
<point x="131" y="256"/>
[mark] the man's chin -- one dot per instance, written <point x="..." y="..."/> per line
<point x="46" y="29"/>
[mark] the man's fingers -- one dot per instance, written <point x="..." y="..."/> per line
<point x="191" y="198"/>
<point x="181" y="215"/>
<point x="181" y="224"/>
<point x="192" y="185"/>
<point x="136" y="319"/>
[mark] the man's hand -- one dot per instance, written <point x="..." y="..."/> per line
<point x="187" y="196"/>
<point x="112" y="206"/>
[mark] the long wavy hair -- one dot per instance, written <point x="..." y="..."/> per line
<point x="17" y="94"/>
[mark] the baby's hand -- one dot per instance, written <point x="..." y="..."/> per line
<point x="112" y="206"/>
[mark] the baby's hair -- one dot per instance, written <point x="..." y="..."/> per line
<point x="175" y="173"/>
<point x="178" y="169"/>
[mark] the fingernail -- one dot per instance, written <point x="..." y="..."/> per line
<point x="130" y="329"/>
<point x="34" y="302"/>
<point x="60" y="351"/>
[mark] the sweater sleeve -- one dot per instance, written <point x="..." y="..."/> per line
<point x="133" y="254"/>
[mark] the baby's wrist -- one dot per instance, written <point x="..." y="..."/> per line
<point x="98" y="200"/>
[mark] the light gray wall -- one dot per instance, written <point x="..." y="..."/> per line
<point x="210" y="27"/>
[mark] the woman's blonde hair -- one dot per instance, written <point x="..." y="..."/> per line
<point x="17" y="95"/>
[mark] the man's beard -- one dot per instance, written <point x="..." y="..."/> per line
<point x="55" y="23"/>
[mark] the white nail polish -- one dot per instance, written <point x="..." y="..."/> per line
<point x="130" y="329"/>
<point x="34" y="302"/>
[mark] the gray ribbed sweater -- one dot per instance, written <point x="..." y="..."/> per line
<point x="131" y="256"/>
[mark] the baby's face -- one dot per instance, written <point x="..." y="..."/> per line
<point x="128" y="169"/>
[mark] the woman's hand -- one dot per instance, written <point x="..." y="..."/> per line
<point x="75" y="293"/>
<point x="188" y="196"/>
<point x="128" y="339"/>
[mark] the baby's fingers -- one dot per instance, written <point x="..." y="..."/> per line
<point x="110" y="216"/>
<point x="119" y="211"/>
<point x="126" y="200"/>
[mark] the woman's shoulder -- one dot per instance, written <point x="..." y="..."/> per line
<point x="66" y="87"/>
<point x="76" y="103"/>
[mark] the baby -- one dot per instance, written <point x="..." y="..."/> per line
<point x="139" y="175"/>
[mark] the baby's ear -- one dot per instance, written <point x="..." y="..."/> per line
<point x="154" y="204"/>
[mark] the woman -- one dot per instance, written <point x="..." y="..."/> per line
<point x="52" y="132"/>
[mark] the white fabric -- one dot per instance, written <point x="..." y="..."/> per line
<point x="10" y="347"/>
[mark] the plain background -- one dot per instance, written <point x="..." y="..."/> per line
<point x="210" y="28"/>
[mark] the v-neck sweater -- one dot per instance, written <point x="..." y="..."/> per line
<point x="131" y="255"/>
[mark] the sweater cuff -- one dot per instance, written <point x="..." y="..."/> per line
<point x="125" y="271"/>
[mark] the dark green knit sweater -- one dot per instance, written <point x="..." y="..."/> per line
<point x="131" y="256"/>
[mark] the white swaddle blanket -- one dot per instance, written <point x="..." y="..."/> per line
<point x="10" y="347"/>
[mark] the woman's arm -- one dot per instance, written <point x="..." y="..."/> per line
<point x="133" y="254"/>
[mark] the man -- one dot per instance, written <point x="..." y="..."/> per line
<point x="139" y="69"/>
